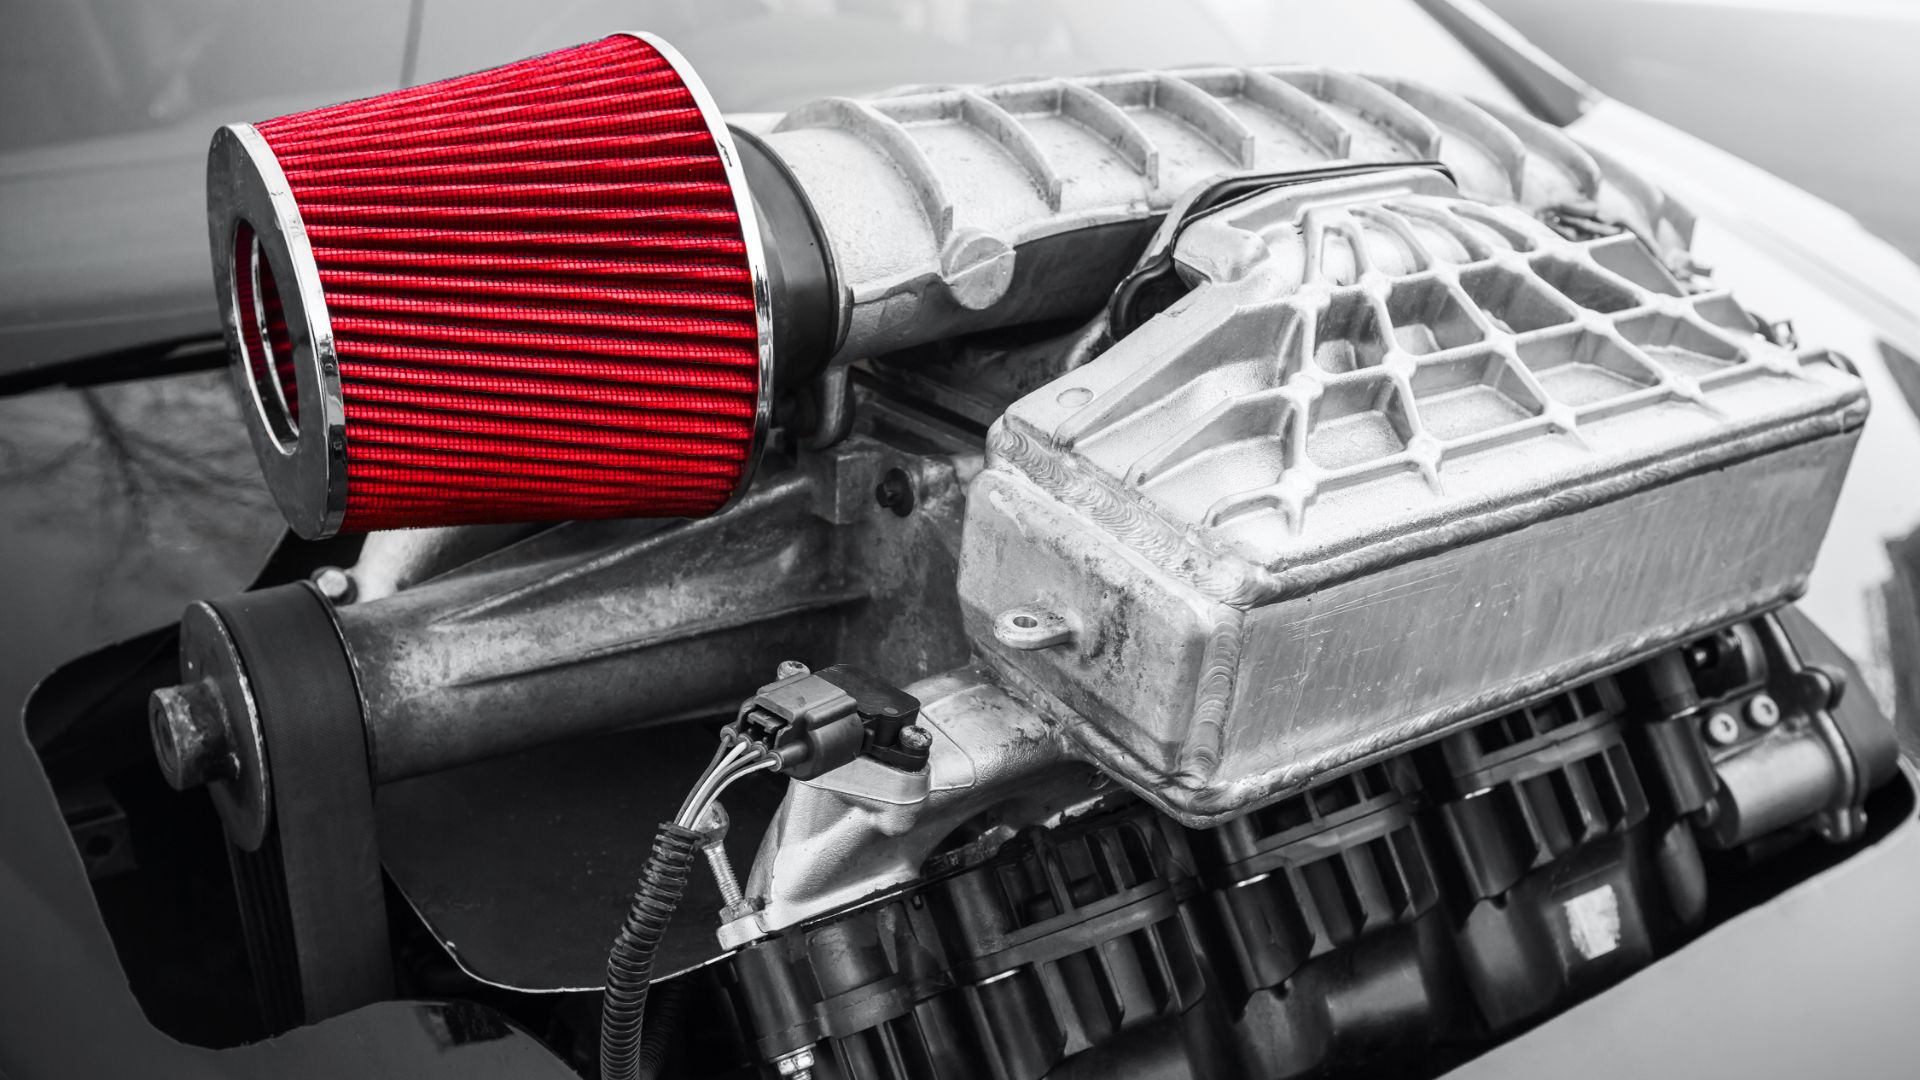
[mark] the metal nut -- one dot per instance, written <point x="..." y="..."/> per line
<point x="335" y="584"/>
<point x="1722" y="729"/>
<point x="1763" y="711"/>
<point x="797" y="1063"/>
<point x="189" y="729"/>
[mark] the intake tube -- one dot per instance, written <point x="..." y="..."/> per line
<point x="569" y="288"/>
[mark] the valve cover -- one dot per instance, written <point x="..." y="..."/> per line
<point x="1398" y="460"/>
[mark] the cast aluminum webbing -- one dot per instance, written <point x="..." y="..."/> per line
<point x="311" y="897"/>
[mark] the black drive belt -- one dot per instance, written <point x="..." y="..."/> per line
<point x="312" y="896"/>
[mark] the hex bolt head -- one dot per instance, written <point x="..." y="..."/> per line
<point x="915" y="739"/>
<point x="1763" y="711"/>
<point x="713" y="823"/>
<point x="1722" y="729"/>
<point x="188" y="725"/>
<point x="790" y="669"/>
<point x="335" y="584"/>
<point x="798" y="1063"/>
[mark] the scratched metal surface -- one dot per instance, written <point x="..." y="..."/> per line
<point x="1330" y="676"/>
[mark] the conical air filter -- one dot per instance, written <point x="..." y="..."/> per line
<point x="524" y="294"/>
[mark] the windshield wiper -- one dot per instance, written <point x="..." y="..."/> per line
<point x="1548" y="90"/>
<point x="176" y="357"/>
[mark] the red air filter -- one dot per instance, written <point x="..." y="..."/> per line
<point x="525" y="294"/>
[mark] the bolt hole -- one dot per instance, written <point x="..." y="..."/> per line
<point x="895" y="492"/>
<point x="163" y="735"/>
<point x="1032" y="628"/>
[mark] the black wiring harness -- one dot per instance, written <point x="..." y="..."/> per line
<point x="806" y="724"/>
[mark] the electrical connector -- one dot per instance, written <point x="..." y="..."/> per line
<point x="815" y="722"/>
<point x="805" y="724"/>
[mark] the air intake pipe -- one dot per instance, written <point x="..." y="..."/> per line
<point x="566" y="288"/>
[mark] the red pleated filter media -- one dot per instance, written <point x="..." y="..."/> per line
<point x="530" y="293"/>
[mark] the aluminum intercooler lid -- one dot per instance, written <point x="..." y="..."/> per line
<point x="1399" y="459"/>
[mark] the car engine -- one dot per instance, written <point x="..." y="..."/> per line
<point x="1263" y="572"/>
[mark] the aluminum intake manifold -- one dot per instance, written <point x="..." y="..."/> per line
<point x="1400" y="460"/>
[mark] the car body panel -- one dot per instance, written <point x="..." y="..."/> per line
<point x="103" y="235"/>
<point x="1818" y="92"/>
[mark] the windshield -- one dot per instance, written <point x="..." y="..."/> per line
<point x="109" y="107"/>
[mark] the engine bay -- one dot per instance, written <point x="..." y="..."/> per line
<point x="1264" y="572"/>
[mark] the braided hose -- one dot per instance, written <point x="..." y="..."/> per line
<point x="630" y="963"/>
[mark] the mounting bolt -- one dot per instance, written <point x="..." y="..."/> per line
<point x="712" y="828"/>
<point x="731" y="898"/>
<point x="335" y="584"/>
<point x="797" y="1064"/>
<point x="1842" y="825"/>
<point x="790" y="669"/>
<point x="189" y="730"/>
<point x="1820" y="686"/>
<point x="1763" y="711"/>
<point x="915" y="739"/>
<point x="1722" y="729"/>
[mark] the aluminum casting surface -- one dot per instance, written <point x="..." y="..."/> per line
<point x="950" y="209"/>
<point x="1399" y="459"/>
<point x="857" y="831"/>
<point x="592" y="626"/>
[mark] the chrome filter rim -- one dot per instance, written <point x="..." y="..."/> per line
<point x="308" y="473"/>
<point x="749" y="235"/>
